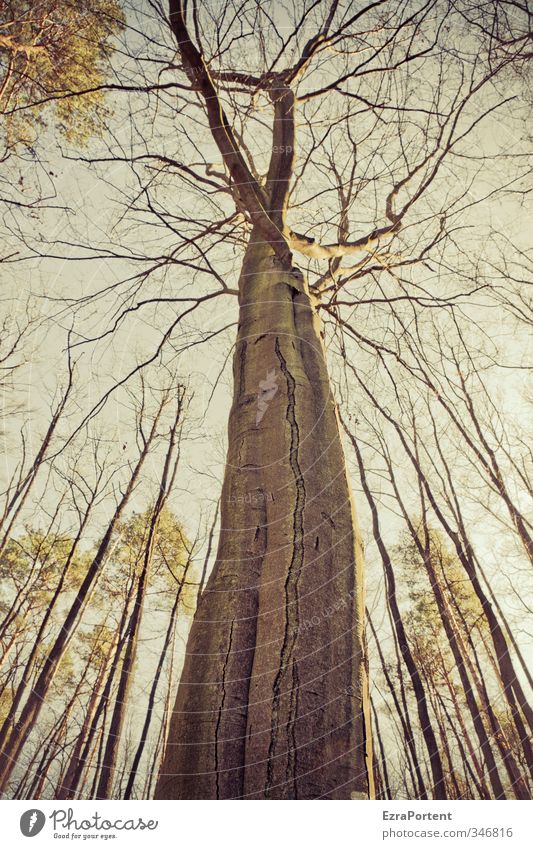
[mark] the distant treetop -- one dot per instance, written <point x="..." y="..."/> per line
<point x="48" y="50"/>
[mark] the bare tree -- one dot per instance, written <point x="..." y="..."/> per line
<point x="15" y="730"/>
<point x="333" y="160"/>
<point x="168" y="477"/>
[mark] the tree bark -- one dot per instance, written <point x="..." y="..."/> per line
<point x="273" y="700"/>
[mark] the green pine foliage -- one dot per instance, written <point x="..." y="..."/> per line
<point x="48" y="51"/>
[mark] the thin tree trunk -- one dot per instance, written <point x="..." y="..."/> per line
<point x="64" y="788"/>
<point x="456" y="637"/>
<point x="469" y="775"/>
<point x="105" y="784"/>
<point x="445" y="747"/>
<point x="411" y="753"/>
<point x="165" y="723"/>
<point x="153" y="690"/>
<point x="472" y="754"/>
<point x="84" y="746"/>
<point x="439" y="789"/>
<point x="386" y="791"/>
<point x="113" y="736"/>
<point x="459" y="658"/>
<point x="208" y="551"/>
<point x="30" y="713"/>
<point x="97" y="752"/>
<point x="512" y="688"/>
<point x="487" y="599"/>
<point x="507" y="747"/>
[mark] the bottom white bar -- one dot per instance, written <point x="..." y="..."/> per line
<point x="254" y="825"/>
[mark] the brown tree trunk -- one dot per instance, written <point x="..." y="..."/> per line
<point x="382" y="761"/>
<point x="411" y="754"/>
<point x="113" y="739"/>
<point x="439" y="787"/>
<point x="66" y="785"/>
<point x="479" y="778"/>
<point x="467" y="792"/>
<point x="162" y="737"/>
<point x="512" y="688"/>
<point x="171" y="628"/>
<point x="120" y="704"/>
<point x="97" y="707"/>
<point x="272" y="701"/>
<point x="13" y="743"/>
<point x="27" y="674"/>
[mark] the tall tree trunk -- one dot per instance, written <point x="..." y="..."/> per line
<point x="382" y="761"/>
<point x="411" y="755"/>
<point x="113" y="739"/>
<point x="273" y="700"/>
<point x="162" y="737"/>
<point x="468" y="773"/>
<point x="97" y="707"/>
<point x="439" y="786"/>
<point x="12" y="744"/>
<point x="454" y="791"/>
<point x="120" y="705"/>
<point x="96" y="755"/>
<point x="473" y="759"/>
<point x="453" y="640"/>
<point x="169" y="635"/>
<point x="65" y="787"/>
<point x="26" y="676"/>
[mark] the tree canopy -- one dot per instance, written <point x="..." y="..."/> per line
<point x="50" y="50"/>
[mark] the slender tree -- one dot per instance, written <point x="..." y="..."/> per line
<point x="152" y="525"/>
<point x="15" y="730"/>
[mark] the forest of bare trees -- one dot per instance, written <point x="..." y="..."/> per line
<point x="265" y="507"/>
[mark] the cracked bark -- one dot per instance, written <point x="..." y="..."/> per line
<point x="272" y="702"/>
